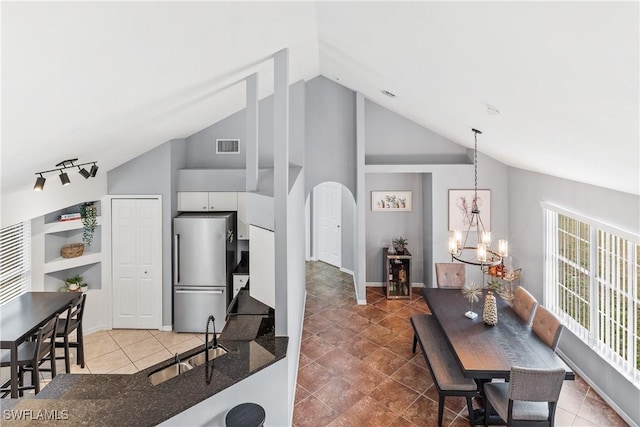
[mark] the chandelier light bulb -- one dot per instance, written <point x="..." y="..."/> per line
<point x="503" y="248"/>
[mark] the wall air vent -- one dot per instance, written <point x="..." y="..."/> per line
<point x="227" y="146"/>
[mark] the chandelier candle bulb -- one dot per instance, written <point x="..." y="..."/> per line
<point x="503" y="247"/>
<point x="453" y="245"/>
<point x="457" y="234"/>
<point x="482" y="252"/>
<point x="486" y="237"/>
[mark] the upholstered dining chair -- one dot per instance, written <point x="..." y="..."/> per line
<point x="524" y="304"/>
<point x="529" y="398"/>
<point x="546" y="326"/>
<point x="450" y="275"/>
<point x="31" y="354"/>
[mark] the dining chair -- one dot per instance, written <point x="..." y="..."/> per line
<point x="546" y="326"/>
<point x="31" y="354"/>
<point x="450" y="275"/>
<point x="72" y="322"/>
<point x="524" y="304"/>
<point x="529" y="398"/>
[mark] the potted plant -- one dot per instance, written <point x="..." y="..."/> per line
<point x="400" y="243"/>
<point x="74" y="284"/>
<point x="89" y="214"/>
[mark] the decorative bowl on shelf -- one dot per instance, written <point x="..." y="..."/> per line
<point x="72" y="250"/>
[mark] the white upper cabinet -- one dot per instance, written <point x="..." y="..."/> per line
<point x="203" y="201"/>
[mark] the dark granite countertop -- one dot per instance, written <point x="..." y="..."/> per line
<point x="111" y="400"/>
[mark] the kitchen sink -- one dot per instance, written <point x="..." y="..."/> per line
<point x="169" y="372"/>
<point x="200" y="358"/>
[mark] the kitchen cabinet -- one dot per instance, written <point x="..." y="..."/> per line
<point x="243" y="222"/>
<point x="207" y="201"/>
<point x="239" y="282"/>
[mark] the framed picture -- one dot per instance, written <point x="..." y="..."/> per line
<point x="460" y="205"/>
<point x="391" y="201"/>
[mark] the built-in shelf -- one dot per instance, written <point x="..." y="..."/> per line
<point x="66" y="263"/>
<point x="55" y="235"/>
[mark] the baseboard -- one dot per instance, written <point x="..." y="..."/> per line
<point x="167" y="328"/>
<point x="375" y="284"/>
<point x="344" y="270"/>
<point x="602" y="394"/>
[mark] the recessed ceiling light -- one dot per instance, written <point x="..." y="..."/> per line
<point x="389" y="94"/>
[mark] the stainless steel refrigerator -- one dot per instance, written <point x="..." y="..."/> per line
<point x="204" y="256"/>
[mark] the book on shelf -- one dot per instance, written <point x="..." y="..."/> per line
<point x="69" y="217"/>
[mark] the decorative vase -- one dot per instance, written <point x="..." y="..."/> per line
<point x="490" y="312"/>
<point x="392" y="250"/>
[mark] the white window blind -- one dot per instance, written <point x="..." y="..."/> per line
<point x="15" y="261"/>
<point x="592" y="272"/>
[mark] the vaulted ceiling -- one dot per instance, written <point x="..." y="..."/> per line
<point x="107" y="81"/>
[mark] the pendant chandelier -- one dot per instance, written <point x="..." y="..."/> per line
<point x="461" y="242"/>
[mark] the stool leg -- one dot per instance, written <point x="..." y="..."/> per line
<point x="415" y="342"/>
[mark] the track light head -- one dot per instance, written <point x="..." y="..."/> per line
<point x="85" y="173"/>
<point x="64" y="178"/>
<point x="39" y="183"/>
<point x="94" y="170"/>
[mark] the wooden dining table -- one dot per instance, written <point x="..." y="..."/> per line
<point x="21" y="318"/>
<point x="487" y="352"/>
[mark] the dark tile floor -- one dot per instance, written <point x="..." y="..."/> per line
<point x="357" y="369"/>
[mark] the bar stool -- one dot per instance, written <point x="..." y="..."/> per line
<point x="245" y="415"/>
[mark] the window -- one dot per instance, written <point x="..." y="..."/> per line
<point x="592" y="271"/>
<point x="15" y="261"/>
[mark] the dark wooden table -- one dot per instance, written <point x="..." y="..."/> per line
<point x="21" y="318"/>
<point x="486" y="352"/>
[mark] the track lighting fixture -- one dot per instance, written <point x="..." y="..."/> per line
<point x="39" y="183"/>
<point x="64" y="177"/>
<point x="85" y="173"/>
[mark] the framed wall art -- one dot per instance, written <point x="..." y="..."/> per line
<point x="391" y="201"/>
<point x="460" y="202"/>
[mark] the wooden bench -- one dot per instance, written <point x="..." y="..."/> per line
<point x="445" y="370"/>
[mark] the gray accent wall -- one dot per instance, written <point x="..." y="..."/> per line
<point x="383" y="227"/>
<point x="152" y="173"/>
<point x="526" y="236"/>
<point x="330" y="134"/>
<point x="201" y="146"/>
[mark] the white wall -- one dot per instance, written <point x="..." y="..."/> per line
<point x="526" y="232"/>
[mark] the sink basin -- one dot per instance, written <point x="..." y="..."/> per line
<point x="200" y="358"/>
<point x="169" y="372"/>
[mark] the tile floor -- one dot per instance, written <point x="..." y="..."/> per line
<point x="356" y="366"/>
<point x="357" y="369"/>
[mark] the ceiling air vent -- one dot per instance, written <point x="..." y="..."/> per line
<point x="227" y="146"/>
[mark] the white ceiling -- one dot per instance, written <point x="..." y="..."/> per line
<point x="107" y="81"/>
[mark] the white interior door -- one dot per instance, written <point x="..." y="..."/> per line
<point x="329" y="213"/>
<point x="136" y="236"/>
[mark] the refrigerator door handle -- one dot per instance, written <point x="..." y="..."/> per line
<point x="199" y="291"/>
<point x="176" y="259"/>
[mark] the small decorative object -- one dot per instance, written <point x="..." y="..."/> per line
<point x="402" y="276"/>
<point x="72" y="250"/>
<point x="400" y="243"/>
<point x="391" y="201"/>
<point x="74" y="284"/>
<point x="490" y="312"/>
<point x="504" y="290"/>
<point x="89" y="214"/>
<point x="472" y="292"/>
<point x="392" y="250"/>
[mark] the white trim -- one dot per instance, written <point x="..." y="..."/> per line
<point x="597" y="389"/>
<point x="345" y="270"/>
<point x="604" y="226"/>
<point x="375" y="284"/>
<point x="166" y="328"/>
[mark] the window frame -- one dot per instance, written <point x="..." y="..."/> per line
<point x="594" y="336"/>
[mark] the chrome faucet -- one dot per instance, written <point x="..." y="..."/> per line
<point x="176" y="358"/>
<point x="214" y="342"/>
